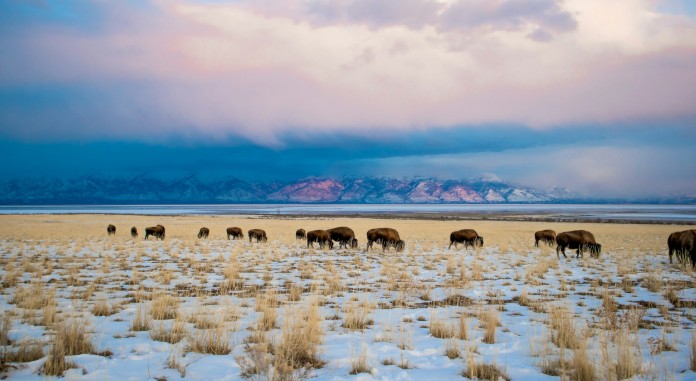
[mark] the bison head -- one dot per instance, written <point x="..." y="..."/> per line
<point x="400" y="245"/>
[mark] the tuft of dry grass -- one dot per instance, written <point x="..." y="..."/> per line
<point x="27" y="350"/>
<point x="103" y="308"/>
<point x="172" y="335"/>
<point x="266" y="305"/>
<point x="584" y="369"/>
<point x="452" y="349"/>
<point x="564" y="334"/>
<point x="441" y="329"/>
<point x="628" y="363"/>
<point x="652" y="283"/>
<point x="300" y="337"/>
<point x="360" y="364"/>
<point x="214" y="341"/>
<point x="489" y="320"/>
<point x="75" y="337"/>
<point x="141" y="321"/>
<point x="463" y="333"/>
<point x="56" y="363"/>
<point x="483" y="371"/>
<point x="356" y="315"/>
<point x="164" y="307"/>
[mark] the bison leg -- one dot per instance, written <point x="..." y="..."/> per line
<point x="536" y="243"/>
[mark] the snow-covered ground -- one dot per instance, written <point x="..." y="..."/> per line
<point x="632" y="310"/>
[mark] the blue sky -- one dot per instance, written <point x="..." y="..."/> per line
<point x="540" y="92"/>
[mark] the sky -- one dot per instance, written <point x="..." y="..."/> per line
<point x="593" y="95"/>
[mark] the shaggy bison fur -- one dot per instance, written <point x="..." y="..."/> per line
<point x="469" y="237"/>
<point x="258" y="234"/>
<point x="345" y="236"/>
<point x="387" y="237"/>
<point x="546" y="236"/>
<point x="577" y="239"/>
<point x="322" y="237"/>
<point x="235" y="233"/>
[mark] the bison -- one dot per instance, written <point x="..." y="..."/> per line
<point x="155" y="231"/>
<point x="235" y="233"/>
<point x="258" y="234"/>
<point x="300" y="234"/>
<point x="203" y="233"/>
<point x="111" y="230"/>
<point x="386" y="237"/>
<point x="546" y="236"/>
<point x="577" y="239"/>
<point x="469" y="237"/>
<point x="134" y="232"/>
<point x="344" y="236"/>
<point x="322" y="237"/>
<point x="682" y="243"/>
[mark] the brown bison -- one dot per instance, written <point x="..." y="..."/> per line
<point x="322" y="237"/>
<point x="300" y="234"/>
<point x="577" y="239"/>
<point x="203" y="233"/>
<point x="235" y="233"/>
<point x="134" y="232"/>
<point x="111" y="230"/>
<point x="469" y="237"/>
<point x="682" y="244"/>
<point x="345" y="236"/>
<point x="156" y="231"/>
<point x="258" y="234"/>
<point x="546" y="236"/>
<point x="386" y="237"/>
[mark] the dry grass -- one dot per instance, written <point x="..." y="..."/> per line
<point x="164" y="307"/>
<point x="141" y="321"/>
<point x="356" y="315"/>
<point x="300" y="337"/>
<point x="56" y="363"/>
<point x="489" y="319"/>
<point x="564" y="334"/>
<point x="103" y="277"/>
<point x="360" y="364"/>
<point x="584" y="369"/>
<point x="214" y="341"/>
<point x="441" y="328"/>
<point x="173" y="334"/>
<point x="482" y="371"/>
<point x="76" y="337"/>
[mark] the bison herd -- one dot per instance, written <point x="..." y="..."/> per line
<point x="680" y="244"/>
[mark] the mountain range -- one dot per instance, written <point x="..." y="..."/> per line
<point x="191" y="189"/>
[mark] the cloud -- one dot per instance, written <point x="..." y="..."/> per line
<point x="251" y="70"/>
<point x="610" y="162"/>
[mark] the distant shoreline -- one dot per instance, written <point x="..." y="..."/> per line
<point x="589" y="213"/>
<point x="400" y="216"/>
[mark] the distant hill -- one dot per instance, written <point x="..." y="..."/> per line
<point x="190" y="189"/>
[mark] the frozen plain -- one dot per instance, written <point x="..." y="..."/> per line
<point x="631" y="310"/>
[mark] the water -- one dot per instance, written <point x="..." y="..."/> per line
<point x="580" y="212"/>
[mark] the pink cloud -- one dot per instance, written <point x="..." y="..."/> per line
<point x="246" y="70"/>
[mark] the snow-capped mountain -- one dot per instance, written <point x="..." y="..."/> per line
<point x="191" y="189"/>
<point x="143" y="189"/>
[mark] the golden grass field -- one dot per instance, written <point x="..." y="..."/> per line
<point x="77" y="302"/>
